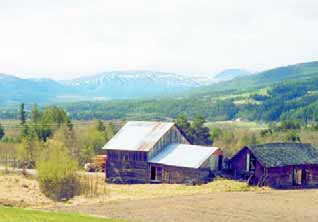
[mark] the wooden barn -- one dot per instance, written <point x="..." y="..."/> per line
<point x="158" y="152"/>
<point x="278" y="165"/>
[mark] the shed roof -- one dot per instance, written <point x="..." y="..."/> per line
<point x="138" y="135"/>
<point x="184" y="155"/>
<point x="284" y="154"/>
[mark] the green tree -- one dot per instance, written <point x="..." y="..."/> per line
<point x="196" y="132"/>
<point x="184" y="125"/>
<point x="200" y="133"/>
<point x="57" y="172"/>
<point x="28" y="151"/>
<point x="289" y="124"/>
<point x="110" y="131"/>
<point x="22" y="114"/>
<point x="55" y="117"/>
<point x="100" y="126"/>
<point x="70" y="140"/>
<point x="92" y="140"/>
<point x="1" y="132"/>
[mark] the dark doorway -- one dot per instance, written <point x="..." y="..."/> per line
<point x="220" y="162"/>
<point x="153" y="173"/>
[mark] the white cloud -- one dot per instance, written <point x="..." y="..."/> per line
<point x="62" y="39"/>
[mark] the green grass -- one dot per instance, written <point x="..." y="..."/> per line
<point x="11" y="214"/>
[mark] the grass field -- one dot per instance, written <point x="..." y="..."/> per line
<point x="235" y="125"/>
<point x="8" y="214"/>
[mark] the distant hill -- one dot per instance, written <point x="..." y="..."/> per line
<point x="15" y="90"/>
<point x="230" y="74"/>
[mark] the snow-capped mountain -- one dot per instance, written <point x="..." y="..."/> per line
<point x="132" y="84"/>
<point x="107" y="85"/>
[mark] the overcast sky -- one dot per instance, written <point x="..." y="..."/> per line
<point x="69" y="38"/>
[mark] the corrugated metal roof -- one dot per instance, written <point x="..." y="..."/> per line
<point x="184" y="155"/>
<point x="138" y="135"/>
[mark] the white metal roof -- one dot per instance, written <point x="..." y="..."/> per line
<point x="138" y="135"/>
<point x="184" y="155"/>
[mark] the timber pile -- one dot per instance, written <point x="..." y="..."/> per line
<point x="100" y="162"/>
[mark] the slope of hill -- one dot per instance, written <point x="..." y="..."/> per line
<point x="230" y="74"/>
<point x="15" y="90"/>
<point x="260" y="80"/>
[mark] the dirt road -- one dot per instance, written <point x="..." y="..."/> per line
<point x="268" y="206"/>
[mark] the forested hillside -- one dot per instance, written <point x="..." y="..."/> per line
<point x="260" y="80"/>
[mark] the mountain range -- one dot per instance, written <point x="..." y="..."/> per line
<point x="104" y="86"/>
<point x="145" y="85"/>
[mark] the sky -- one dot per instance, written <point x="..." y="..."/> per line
<point x="63" y="39"/>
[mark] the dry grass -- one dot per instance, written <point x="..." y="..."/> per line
<point x="16" y="189"/>
<point x="235" y="125"/>
<point x="102" y="192"/>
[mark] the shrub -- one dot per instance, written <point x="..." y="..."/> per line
<point x="57" y="172"/>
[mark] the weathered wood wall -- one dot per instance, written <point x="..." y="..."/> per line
<point x="172" y="174"/>
<point x="282" y="177"/>
<point x="238" y="167"/>
<point x="126" y="167"/>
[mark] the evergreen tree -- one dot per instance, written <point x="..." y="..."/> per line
<point x="1" y="132"/>
<point x="200" y="134"/>
<point x="184" y="125"/>
<point x="196" y="132"/>
<point x="22" y="114"/>
<point x="100" y="126"/>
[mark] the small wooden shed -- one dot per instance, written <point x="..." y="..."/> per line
<point x="279" y="165"/>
